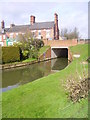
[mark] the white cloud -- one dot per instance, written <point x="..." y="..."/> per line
<point x="45" y="1"/>
<point x="70" y="14"/>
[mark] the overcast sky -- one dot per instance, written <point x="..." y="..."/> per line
<point x="70" y="14"/>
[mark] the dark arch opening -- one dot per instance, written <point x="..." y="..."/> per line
<point x="60" y="52"/>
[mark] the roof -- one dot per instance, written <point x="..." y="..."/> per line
<point x="19" y="28"/>
<point x="35" y="26"/>
<point x="5" y="30"/>
<point x="42" y="25"/>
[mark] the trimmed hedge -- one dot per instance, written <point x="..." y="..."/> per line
<point x="10" y="54"/>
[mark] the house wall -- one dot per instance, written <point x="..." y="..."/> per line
<point x="2" y="39"/>
<point x="45" y="33"/>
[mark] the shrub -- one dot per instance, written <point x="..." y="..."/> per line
<point x="25" y="54"/>
<point x="10" y="54"/>
<point x="77" y="87"/>
<point x="29" y="46"/>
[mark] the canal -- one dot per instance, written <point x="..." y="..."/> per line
<point x="12" y="78"/>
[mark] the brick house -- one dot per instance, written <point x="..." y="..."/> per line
<point x="45" y="30"/>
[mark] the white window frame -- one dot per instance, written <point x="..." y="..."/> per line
<point x="47" y="33"/>
<point x="39" y="31"/>
<point x="0" y="38"/>
<point x="1" y="43"/>
<point x="16" y="34"/>
<point x="11" y="35"/>
<point x="4" y="37"/>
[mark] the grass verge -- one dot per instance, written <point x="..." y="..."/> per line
<point x="29" y="60"/>
<point x="43" y="49"/>
<point x="46" y="97"/>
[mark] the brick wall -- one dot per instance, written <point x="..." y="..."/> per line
<point x="47" y="55"/>
<point x="59" y="43"/>
<point x="70" y="57"/>
<point x="44" y="33"/>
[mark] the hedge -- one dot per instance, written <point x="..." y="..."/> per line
<point x="10" y="54"/>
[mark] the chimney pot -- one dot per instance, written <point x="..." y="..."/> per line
<point x="2" y="24"/>
<point x="56" y="27"/>
<point x="12" y="25"/>
<point x="32" y="19"/>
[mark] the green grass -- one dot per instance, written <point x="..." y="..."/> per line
<point x="46" y="97"/>
<point x="29" y="60"/>
<point x="26" y="60"/>
<point x="82" y="50"/>
<point x="43" y="49"/>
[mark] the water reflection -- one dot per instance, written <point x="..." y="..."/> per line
<point x="18" y="76"/>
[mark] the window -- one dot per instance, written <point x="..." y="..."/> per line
<point x="1" y="43"/>
<point x="11" y="35"/>
<point x="23" y="33"/>
<point x="39" y="32"/>
<point x="3" y="30"/>
<point x="16" y="34"/>
<point x="0" y="38"/>
<point x="48" y="34"/>
<point x="44" y="30"/>
<point x="4" y="37"/>
<point x="33" y="30"/>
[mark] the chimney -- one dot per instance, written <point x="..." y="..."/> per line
<point x="32" y="19"/>
<point x="56" y="27"/>
<point x="2" y="24"/>
<point x="12" y="25"/>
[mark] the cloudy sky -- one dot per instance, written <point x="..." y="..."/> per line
<point x="70" y="14"/>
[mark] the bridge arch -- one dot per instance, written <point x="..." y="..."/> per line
<point x="57" y="52"/>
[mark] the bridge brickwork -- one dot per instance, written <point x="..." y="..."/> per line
<point x="60" y="43"/>
<point x="46" y="55"/>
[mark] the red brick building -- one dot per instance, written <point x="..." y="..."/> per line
<point x="45" y="30"/>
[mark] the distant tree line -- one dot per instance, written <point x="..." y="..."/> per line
<point x="69" y="34"/>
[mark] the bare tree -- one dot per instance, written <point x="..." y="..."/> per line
<point x="70" y="34"/>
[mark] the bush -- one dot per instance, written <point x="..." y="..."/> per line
<point x="10" y="54"/>
<point x="24" y="54"/>
<point x="29" y="46"/>
<point x="77" y="87"/>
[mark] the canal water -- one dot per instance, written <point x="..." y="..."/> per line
<point x="12" y="78"/>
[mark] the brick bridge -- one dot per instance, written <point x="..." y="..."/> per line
<point x="59" y="48"/>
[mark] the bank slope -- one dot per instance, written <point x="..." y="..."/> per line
<point x="46" y="97"/>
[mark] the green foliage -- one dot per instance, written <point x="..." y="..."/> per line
<point x="29" y="60"/>
<point x="25" y="53"/>
<point x="29" y="46"/>
<point x="10" y="54"/>
<point x="33" y="53"/>
<point x="43" y="49"/>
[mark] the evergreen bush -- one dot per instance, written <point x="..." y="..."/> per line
<point x="10" y="54"/>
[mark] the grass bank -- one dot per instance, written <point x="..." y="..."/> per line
<point x="43" y="49"/>
<point x="46" y="97"/>
<point x="29" y="60"/>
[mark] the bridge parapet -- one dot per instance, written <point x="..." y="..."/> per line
<point x="59" y="43"/>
